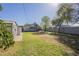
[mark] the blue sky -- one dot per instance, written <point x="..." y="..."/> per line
<point x="33" y="12"/>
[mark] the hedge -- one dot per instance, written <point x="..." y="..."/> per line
<point x="6" y="37"/>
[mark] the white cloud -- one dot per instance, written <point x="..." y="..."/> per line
<point x="54" y="4"/>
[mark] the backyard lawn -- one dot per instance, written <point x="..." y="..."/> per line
<point x="38" y="45"/>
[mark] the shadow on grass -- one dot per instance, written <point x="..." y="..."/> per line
<point x="69" y="40"/>
<point x="38" y="33"/>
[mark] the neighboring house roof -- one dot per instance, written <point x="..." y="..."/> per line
<point x="71" y="25"/>
<point x="29" y="25"/>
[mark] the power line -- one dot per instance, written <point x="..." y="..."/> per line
<point x="24" y="9"/>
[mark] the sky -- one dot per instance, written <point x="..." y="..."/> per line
<point x="27" y="13"/>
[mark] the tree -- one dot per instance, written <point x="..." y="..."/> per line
<point x="57" y="22"/>
<point x="45" y="23"/>
<point x="64" y="12"/>
<point x="75" y="14"/>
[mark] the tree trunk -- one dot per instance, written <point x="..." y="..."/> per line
<point x="59" y="28"/>
<point x="45" y="28"/>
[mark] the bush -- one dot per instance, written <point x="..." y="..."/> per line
<point x="1" y="34"/>
<point x="6" y="37"/>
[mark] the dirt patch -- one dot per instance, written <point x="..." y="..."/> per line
<point x="54" y="40"/>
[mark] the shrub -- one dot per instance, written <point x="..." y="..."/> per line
<point x="6" y="37"/>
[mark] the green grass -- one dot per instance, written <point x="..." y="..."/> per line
<point x="32" y="45"/>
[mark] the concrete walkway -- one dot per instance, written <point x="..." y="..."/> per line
<point x="18" y="38"/>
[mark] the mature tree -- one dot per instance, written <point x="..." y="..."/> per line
<point x="69" y="12"/>
<point x="64" y="12"/>
<point x="57" y="22"/>
<point x="45" y="23"/>
<point x="75" y="14"/>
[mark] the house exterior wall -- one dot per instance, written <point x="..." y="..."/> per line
<point x="31" y="27"/>
<point x="70" y="30"/>
<point x="19" y="30"/>
<point x="14" y="29"/>
<point x="26" y="28"/>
